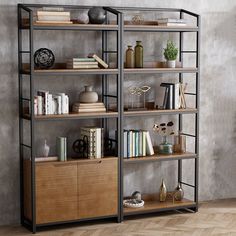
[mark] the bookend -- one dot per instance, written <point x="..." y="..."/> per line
<point x="80" y="146"/>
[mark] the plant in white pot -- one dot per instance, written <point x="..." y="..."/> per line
<point x="170" y="54"/>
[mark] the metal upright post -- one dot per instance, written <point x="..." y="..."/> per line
<point x="33" y="199"/>
<point x="197" y="114"/>
<point x="20" y="113"/>
<point x="120" y="112"/>
<point x="181" y="81"/>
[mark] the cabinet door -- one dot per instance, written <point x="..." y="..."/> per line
<point x="56" y="192"/>
<point x="98" y="188"/>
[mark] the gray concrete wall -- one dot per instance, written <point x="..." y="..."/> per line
<point x="218" y="99"/>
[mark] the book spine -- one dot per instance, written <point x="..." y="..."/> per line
<point x="35" y="106"/>
<point x="131" y="143"/>
<point x="170" y="97"/>
<point x="140" y="134"/>
<point x="176" y="96"/>
<point x="125" y="144"/>
<point x="40" y="105"/>
<point x="150" y="150"/>
<point x="144" y="135"/>
<point x="61" y="148"/>
<point x="136" y="143"/>
<point x="66" y="104"/>
<point x="50" y="104"/>
<point x="128" y="144"/>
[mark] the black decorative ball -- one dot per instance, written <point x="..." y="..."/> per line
<point x="44" y="58"/>
<point x="97" y="15"/>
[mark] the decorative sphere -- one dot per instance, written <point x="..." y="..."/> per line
<point x="44" y="58"/>
<point x="137" y="195"/>
<point x="97" y="15"/>
<point x="83" y="18"/>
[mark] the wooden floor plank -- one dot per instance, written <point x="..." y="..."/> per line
<point x="214" y="218"/>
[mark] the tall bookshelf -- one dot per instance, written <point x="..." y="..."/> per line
<point x="29" y="169"/>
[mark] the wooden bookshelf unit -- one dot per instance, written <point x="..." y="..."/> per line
<point x="78" y="190"/>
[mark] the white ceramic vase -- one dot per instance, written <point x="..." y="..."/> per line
<point x="88" y="96"/>
<point x="45" y="149"/>
<point x="171" y="63"/>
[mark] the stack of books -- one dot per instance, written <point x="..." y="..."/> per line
<point x="61" y="148"/>
<point x="95" y="141"/>
<point x="91" y="62"/>
<point x="53" y="15"/>
<point x="172" y="95"/>
<point x="51" y="104"/>
<point x="82" y="63"/>
<point x="89" y="107"/>
<point x="137" y="143"/>
<point x="172" y="22"/>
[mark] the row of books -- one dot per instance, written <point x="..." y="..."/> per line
<point x="95" y="141"/>
<point x="91" y="62"/>
<point x="88" y="107"/>
<point x="172" y="95"/>
<point x="53" y="15"/>
<point x="137" y="143"/>
<point x="51" y="104"/>
<point x="172" y="22"/>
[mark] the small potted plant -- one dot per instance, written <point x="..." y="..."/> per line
<point x="170" y="54"/>
<point x="164" y="130"/>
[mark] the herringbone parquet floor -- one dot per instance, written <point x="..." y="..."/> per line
<point x="214" y="218"/>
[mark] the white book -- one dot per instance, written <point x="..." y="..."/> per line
<point x="66" y="104"/>
<point x="63" y="102"/>
<point x="140" y="134"/>
<point x="150" y="150"/>
<point x="176" y="96"/>
<point x="53" y="18"/>
<point x="35" y="105"/>
<point x="40" y="105"/>
<point x="44" y="95"/>
<point x="170" y="97"/>
<point x="144" y="137"/>
<point x="50" y="112"/>
<point x="98" y="143"/>
<point x="41" y="159"/>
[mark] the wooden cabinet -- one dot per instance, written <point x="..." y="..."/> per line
<point x="56" y="192"/>
<point x="97" y="188"/>
<point x="73" y="190"/>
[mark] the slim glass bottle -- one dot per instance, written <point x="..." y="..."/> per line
<point x="138" y="54"/>
<point x="129" y="63"/>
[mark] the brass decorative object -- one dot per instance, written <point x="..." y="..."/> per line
<point x="162" y="192"/>
<point x="138" y="91"/>
<point x="179" y="193"/>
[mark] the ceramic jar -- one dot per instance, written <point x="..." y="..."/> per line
<point x="129" y="62"/>
<point x="88" y="96"/>
<point x="171" y="63"/>
<point x="138" y="54"/>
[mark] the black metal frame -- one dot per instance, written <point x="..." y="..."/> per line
<point x="120" y="29"/>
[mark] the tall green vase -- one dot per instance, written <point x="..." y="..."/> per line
<point x="138" y="54"/>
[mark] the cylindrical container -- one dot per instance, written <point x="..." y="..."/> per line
<point x="88" y="96"/>
<point x="138" y="54"/>
<point x="165" y="147"/>
<point x="180" y="144"/>
<point x="129" y="63"/>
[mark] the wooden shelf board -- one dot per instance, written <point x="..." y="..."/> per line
<point x="79" y="160"/>
<point x="156" y="28"/>
<point x="75" y="71"/>
<point x="161" y="157"/>
<point x="74" y="116"/>
<point x="160" y="70"/>
<point x="68" y="26"/>
<point x="155" y="205"/>
<point x="160" y="112"/>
